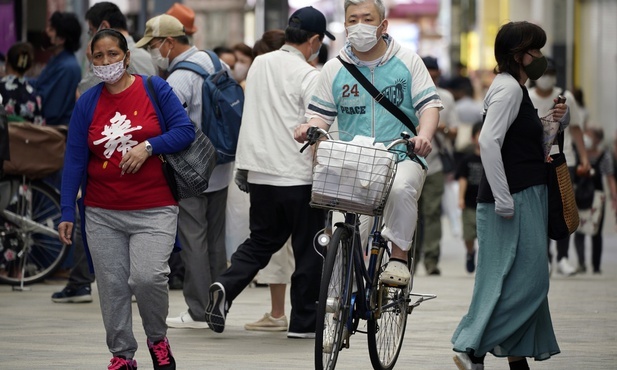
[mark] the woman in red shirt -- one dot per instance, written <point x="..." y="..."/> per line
<point x="129" y="213"/>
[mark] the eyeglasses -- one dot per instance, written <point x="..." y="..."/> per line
<point x="150" y="46"/>
<point x="533" y="56"/>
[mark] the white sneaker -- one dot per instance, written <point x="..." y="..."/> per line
<point x="463" y="362"/>
<point x="564" y="268"/>
<point x="185" y="321"/>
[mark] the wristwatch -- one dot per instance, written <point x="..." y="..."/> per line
<point x="148" y="147"/>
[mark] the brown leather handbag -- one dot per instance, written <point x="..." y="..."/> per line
<point x="36" y="151"/>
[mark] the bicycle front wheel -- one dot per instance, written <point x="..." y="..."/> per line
<point x="386" y="329"/>
<point x="31" y="249"/>
<point x="334" y="300"/>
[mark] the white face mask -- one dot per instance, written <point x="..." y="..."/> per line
<point x="362" y="36"/>
<point x="240" y="71"/>
<point x="110" y="73"/>
<point x="546" y="82"/>
<point x="158" y="59"/>
<point x="314" y="55"/>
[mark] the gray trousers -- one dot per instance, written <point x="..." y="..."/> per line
<point x="201" y="227"/>
<point x="130" y="250"/>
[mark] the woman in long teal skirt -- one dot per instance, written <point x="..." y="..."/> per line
<point x="509" y="314"/>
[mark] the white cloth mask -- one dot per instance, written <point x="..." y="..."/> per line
<point x="110" y="73"/>
<point x="240" y="71"/>
<point x="314" y="56"/>
<point x="158" y="59"/>
<point x="546" y="82"/>
<point x="362" y="36"/>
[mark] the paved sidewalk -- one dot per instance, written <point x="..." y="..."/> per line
<point x="36" y="333"/>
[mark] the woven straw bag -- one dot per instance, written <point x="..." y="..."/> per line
<point x="563" y="217"/>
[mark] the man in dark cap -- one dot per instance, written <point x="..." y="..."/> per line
<point x="277" y="176"/>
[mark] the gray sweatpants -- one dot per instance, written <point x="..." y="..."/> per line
<point x="130" y="250"/>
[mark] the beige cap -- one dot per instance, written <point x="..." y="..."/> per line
<point x="161" y="26"/>
<point x="185" y="15"/>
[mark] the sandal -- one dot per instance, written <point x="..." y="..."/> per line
<point x="396" y="273"/>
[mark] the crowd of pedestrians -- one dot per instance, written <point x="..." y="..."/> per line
<point x="484" y="157"/>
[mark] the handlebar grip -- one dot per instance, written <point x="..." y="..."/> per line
<point x="305" y="146"/>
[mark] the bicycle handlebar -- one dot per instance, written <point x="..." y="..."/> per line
<point x="313" y="134"/>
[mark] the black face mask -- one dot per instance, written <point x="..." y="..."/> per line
<point x="536" y="68"/>
<point x="45" y="41"/>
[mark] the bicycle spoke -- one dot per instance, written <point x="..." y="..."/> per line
<point x="387" y="330"/>
<point x="29" y="239"/>
<point x="334" y="301"/>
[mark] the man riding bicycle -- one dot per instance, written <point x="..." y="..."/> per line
<point x="400" y="75"/>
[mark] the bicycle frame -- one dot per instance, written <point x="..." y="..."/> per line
<point x="351" y="289"/>
<point x="363" y="274"/>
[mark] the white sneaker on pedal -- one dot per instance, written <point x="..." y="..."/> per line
<point x="185" y="321"/>
<point x="396" y="273"/>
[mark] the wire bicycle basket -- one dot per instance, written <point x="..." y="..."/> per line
<point x="352" y="178"/>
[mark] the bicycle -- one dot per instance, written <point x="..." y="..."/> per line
<point x="350" y="291"/>
<point x="30" y="249"/>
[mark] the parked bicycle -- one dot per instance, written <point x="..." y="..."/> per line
<point x="356" y="180"/>
<point x="29" y="247"/>
<point x="29" y="207"/>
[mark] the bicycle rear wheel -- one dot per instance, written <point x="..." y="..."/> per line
<point x="334" y="300"/>
<point x="387" y="329"/>
<point x="30" y="247"/>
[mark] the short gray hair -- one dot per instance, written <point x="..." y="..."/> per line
<point x="381" y="9"/>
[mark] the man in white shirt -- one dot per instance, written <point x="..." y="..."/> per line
<point x="277" y="176"/>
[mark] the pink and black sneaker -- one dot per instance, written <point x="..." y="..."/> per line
<point x="162" y="359"/>
<point x="121" y="363"/>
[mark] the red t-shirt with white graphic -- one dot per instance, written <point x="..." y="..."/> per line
<point x="120" y="122"/>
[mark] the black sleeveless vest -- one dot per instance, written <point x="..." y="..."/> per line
<point x="522" y="153"/>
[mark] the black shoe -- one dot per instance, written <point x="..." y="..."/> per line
<point x="216" y="312"/>
<point x="471" y="262"/>
<point x="434" y="271"/>
<point x="162" y="359"/>
<point x="73" y="295"/>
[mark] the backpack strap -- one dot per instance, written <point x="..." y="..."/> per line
<point x="193" y="67"/>
<point x="215" y="60"/>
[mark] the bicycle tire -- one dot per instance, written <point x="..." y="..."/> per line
<point x="44" y="253"/>
<point x="333" y="308"/>
<point x="386" y="331"/>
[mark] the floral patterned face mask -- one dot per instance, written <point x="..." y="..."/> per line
<point x="110" y="73"/>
